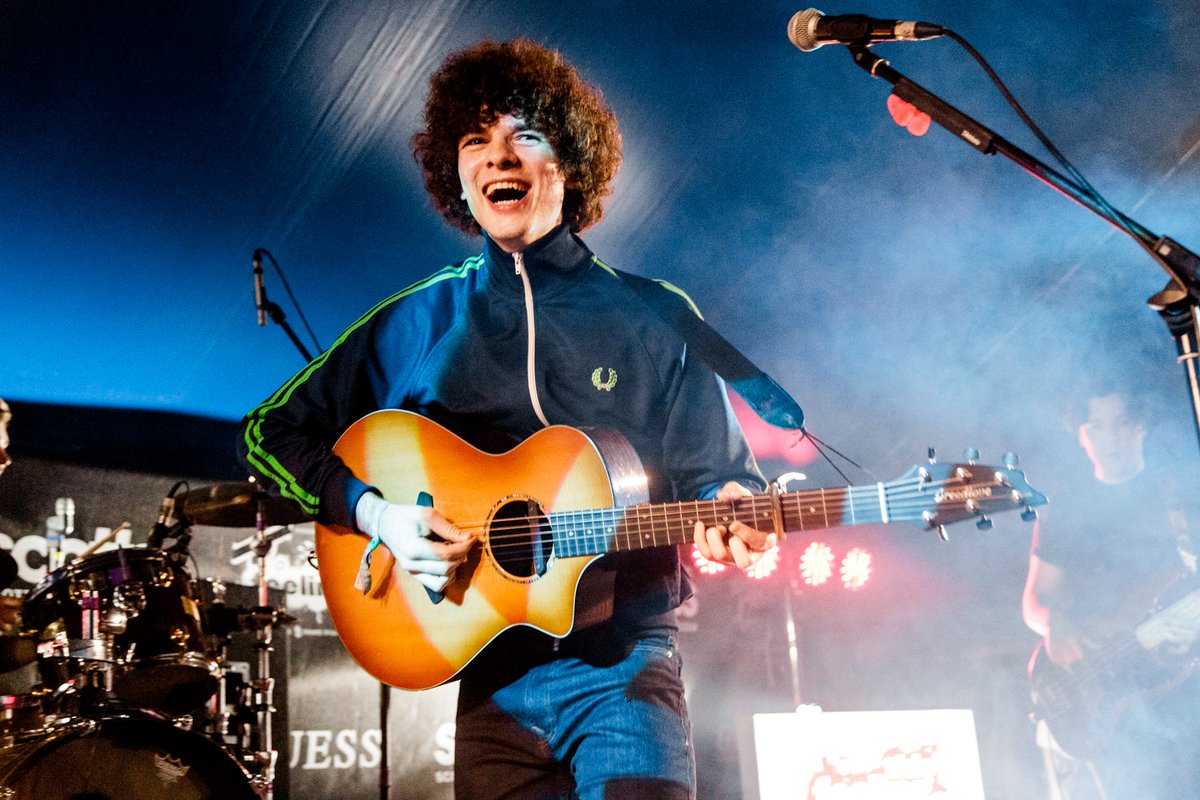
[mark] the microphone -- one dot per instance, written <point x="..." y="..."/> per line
<point x="810" y="29"/>
<point x="260" y="295"/>
<point x="160" y="530"/>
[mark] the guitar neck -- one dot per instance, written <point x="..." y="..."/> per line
<point x="614" y="530"/>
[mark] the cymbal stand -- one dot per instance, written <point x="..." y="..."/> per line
<point x="263" y="685"/>
<point x="219" y="645"/>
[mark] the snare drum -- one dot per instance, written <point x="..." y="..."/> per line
<point x="121" y="757"/>
<point x="142" y="600"/>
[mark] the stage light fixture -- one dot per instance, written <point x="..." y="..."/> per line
<point x="765" y="565"/>
<point x="704" y="566"/>
<point x="816" y="563"/>
<point x="856" y="569"/>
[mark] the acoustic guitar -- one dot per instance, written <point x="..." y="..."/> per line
<point x="544" y="511"/>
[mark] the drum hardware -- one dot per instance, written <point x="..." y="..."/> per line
<point x="263" y="686"/>
<point x="244" y="721"/>
<point x="237" y="505"/>
<point x="124" y="624"/>
<point x="121" y="647"/>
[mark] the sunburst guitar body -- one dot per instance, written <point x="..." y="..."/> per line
<point x="546" y="510"/>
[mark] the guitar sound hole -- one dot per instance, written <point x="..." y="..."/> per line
<point x="520" y="539"/>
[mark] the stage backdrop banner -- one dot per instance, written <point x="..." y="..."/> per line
<point x="868" y="755"/>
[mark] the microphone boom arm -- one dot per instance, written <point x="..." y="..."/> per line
<point x="1170" y="254"/>
<point x="279" y="318"/>
<point x="1176" y="303"/>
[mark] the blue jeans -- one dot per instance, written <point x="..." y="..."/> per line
<point x="572" y="730"/>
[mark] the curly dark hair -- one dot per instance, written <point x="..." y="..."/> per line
<point x="476" y="86"/>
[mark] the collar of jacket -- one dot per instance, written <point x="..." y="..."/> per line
<point x="557" y="257"/>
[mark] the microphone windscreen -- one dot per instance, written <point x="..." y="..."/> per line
<point x="802" y="29"/>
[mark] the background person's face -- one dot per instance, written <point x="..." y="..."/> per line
<point x="1112" y="439"/>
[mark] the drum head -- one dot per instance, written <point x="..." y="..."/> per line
<point x="123" y="759"/>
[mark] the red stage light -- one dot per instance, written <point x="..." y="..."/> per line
<point x="856" y="569"/>
<point x="704" y="566"/>
<point x="816" y="563"/>
<point x="765" y="564"/>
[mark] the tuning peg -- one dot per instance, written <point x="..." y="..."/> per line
<point x="984" y="524"/>
<point x="1011" y="460"/>
<point x="1029" y="514"/>
<point x="931" y="454"/>
<point x="941" y="532"/>
<point x="970" y="455"/>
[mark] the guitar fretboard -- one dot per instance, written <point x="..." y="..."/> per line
<point x="611" y="530"/>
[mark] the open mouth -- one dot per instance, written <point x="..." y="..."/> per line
<point x="503" y="193"/>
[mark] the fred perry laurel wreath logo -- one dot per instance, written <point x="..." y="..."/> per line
<point x="605" y="386"/>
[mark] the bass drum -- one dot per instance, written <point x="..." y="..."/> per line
<point x="121" y="759"/>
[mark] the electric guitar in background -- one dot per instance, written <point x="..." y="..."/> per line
<point x="1083" y="705"/>
<point x="547" y="509"/>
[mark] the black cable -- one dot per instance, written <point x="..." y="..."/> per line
<point x="295" y="303"/>
<point x="1110" y="212"/>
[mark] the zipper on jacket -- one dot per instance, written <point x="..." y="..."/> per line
<point x="519" y="267"/>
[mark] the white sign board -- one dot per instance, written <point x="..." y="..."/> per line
<point x="868" y="755"/>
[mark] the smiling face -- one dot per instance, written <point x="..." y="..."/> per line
<point x="512" y="182"/>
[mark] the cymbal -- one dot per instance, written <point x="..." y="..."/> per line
<point x="8" y="569"/>
<point x="235" y="505"/>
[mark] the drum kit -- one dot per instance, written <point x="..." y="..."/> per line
<point x="129" y="692"/>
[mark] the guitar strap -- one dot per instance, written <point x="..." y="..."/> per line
<point x="757" y="388"/>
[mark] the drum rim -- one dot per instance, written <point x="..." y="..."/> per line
<point x="76" y="566"/>
<point x="62" y="730"/>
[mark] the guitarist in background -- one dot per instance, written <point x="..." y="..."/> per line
<point x="1119" y="711"/>
<point x="534" y="331"/>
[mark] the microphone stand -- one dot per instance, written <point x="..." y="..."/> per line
<point x="385" y="703"/>
<point x="280" y="319"/>
<point x="1176" y="303"/>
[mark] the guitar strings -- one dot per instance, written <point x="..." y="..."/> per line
<point x="635" y="515"/>
<point x="833" y="502"/>
<point x="870" y="495"/>
<point x="1058" y="689"/>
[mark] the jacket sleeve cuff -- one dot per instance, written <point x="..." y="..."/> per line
<point x="341" y="497"/>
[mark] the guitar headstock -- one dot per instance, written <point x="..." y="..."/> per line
<point x="941" y="493"/>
